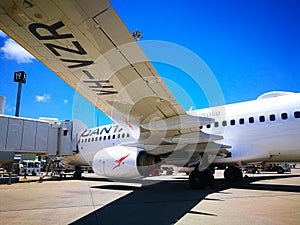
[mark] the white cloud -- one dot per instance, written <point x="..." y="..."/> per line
<point x="43" y="98"/>
<point x="10" y="109"/>
<point x="66" y="101"/>
<point x="2" y="34"/>
<point x="15" y="52"/>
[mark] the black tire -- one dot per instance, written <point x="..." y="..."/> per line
<point x="77" y="174"/>
<point x="233" y="174"/>
<point x="280" y="170"/>
<point x="169" y="172"/>
<point x="200" y="179"/>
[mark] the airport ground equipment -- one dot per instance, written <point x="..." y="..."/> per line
<point x="57" y="168"/>
<point x="40" y="137"/>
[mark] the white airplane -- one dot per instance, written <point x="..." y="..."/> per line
<point x="90" y="48"/>
<point x="262" y="130"/>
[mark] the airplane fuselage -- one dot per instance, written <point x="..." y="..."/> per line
<point x="266" y="129"/>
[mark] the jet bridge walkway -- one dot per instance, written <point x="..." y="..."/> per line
<point x="22" y="135"/>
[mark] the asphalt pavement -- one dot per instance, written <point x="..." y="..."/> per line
<point x="266" y="198"/>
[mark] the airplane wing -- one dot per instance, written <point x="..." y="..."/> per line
<point x="88" y="46"/>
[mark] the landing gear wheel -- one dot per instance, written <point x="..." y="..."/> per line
<point x="77" y="174"/>
<point x="201" y="179"/>
<point x="233" y="174"/>
<point x="279" y="170"/>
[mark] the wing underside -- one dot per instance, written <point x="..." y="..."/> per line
<point x="88" y="46"/>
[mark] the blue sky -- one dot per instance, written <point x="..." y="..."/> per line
<point x="252" y="47"/>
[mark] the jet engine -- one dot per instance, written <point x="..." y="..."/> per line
<point x="124" y="162"/>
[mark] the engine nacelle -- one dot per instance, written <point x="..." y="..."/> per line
<point x="124" y="162"/>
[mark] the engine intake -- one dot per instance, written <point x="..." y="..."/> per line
<point x="124" y="162"/>
<point x="146" y="163"/>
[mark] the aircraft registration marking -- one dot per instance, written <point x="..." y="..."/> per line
<point x="97" y="86"/>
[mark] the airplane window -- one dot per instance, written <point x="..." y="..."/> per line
<point x="284" y="116"/>
<point x="96" y="138"/>
<point x="85" y="140"/>
<point x="297" y="114"/>
<point x="123" y="135"/>
<point x="89" y="139"/>
<point x="104" y="138"/>
<point x="232" y="122"/>
<point x="100" y="138"/>
<point x="208" y="125"/>
<point x="114" y="136"/>
<point x="242" y="120"/>
<point x="92" y="139"/>
<point x="251" y="119"/>
<point x="216" y="124"/>
<point x="262" y="119"/>
<point x="108" y="138"/>
<point x="119" y="136"/>
<point x="224" y="123"/>
<point x="272" y="117"/>
<point x="128" y="135"/>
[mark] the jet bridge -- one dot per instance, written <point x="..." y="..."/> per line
<point x="40" y="137"/>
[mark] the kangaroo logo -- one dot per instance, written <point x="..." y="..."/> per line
<point x="119" y="161"/>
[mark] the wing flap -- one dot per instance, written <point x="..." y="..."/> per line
<point x="178" y="122"/>
<point x="83" y="9"/>
<point x="112" y="26"/>
<point x="193" y="138"/>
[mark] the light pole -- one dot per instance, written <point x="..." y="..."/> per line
<point x="19" y="77"/>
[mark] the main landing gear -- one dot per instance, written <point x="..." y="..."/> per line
<point x="201" y="179"/>
<point x="233" y="174"/>
<point x="204" y="179"/>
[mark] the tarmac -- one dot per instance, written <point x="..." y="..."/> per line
<point x="267" y="198"/>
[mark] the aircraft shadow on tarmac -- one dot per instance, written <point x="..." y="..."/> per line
<point x="168" y="201"/>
